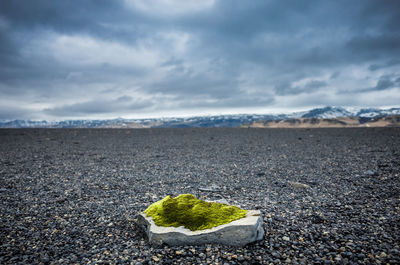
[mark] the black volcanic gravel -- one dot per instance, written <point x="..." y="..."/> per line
<point x="71" y="195"/>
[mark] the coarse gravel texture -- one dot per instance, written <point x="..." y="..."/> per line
<point x="71" y="195"/>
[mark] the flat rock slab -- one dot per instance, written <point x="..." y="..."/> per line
<point x="236" y="233"/>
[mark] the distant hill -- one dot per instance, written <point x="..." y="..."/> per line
<point x="362" y="116"/>
<point x="341" y="122"/>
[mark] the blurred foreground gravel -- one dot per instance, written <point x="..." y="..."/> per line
<point x="327" y="195"/>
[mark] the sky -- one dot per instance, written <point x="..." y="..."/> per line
<point x="160" y="58"/>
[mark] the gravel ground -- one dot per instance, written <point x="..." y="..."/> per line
<point x="71" y="196"/>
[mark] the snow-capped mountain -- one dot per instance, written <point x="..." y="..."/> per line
<point x="204" y="121"/>
<point x="328" y="112"/>
<point x="370" y="113"/>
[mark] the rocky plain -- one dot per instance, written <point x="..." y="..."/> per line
<point x="327" y="196"/>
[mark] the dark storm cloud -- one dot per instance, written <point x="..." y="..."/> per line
<point x="385" y="82"/>
<point x="64" y="16"/>
<point x="390" y="63"/>
<point x="376" y="47"/>
<point x="197" y="54"/>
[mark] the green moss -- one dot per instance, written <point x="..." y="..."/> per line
<point x="188" y="211"/>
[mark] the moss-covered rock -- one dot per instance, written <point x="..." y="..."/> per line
<point x="194" y="214"/>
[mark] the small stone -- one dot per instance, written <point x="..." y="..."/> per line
<point x="382" y="255"/>
<point x="298" y="185"/>
<point x="369" y="172"/>
<point x="223" y="201"/>
<point x="395" y="251"/>
<point x="45" y="259"/>
<point x="155" y="258"/>
<point x="212" y="188"/>
<point x="285" y="238"/>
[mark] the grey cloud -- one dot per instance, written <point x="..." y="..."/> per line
<point x="335" y="75"/>
<point x="376" y="46"/>
<point x="392" y="62"/>
<point x="385" y="82"/>
<point x="239" y="101"/>
<point x="124" y="104"/>
<point x="202" y="84"/>
<point x="66" y="16"/>
<point x="314" y="84"/>
<point x="288" y="89"/>
<point x="384" y="15"/>
<point x="8" y="110"/>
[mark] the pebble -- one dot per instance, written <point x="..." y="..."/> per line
<point x="369" y="172"/>
<point x="361" y="256"/>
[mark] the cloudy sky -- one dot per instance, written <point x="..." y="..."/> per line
<point x="157" y="58"/>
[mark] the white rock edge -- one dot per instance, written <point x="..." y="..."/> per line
<point x="236" y="233"/>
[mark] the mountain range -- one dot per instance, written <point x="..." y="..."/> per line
<point x="340" y="122"/>
<point x="363" y="115"/>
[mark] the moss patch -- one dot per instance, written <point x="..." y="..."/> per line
<point x="188" y="211"/>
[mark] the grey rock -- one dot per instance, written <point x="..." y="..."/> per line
<point x="361" y="256"/>
<point x="236" y="233"/>
<point x="224" y="201"/>
<point x="298" y="185"/>
<point x="369" y="172"/>
<point x="212" y="188"/>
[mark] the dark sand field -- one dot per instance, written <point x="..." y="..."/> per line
<point x="71" y="195"/>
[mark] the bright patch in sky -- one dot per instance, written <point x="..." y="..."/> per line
<point x="170" y="7"/>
